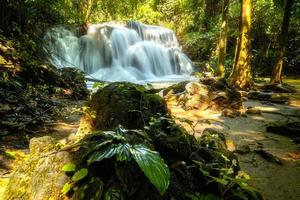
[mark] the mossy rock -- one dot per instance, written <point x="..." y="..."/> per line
<point x="128" y="104"/>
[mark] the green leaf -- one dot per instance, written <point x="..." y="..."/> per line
<point x="123" y="153"/>
<point x="67" y="187"/>
<point x="82" y="173"/>
<point x="198" y="196"/>
<point x="69" y="167"/>
<point x="153" y="167"/>
<point x="103" y="154"/>
<point x="113" y="194"/>
<point x="127" y="175"/>
<point x="92" y="190"/>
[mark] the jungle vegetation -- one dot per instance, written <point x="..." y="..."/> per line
<point x="237" y="39"/>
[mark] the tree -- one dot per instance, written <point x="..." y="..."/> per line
<point x="283" y="37"/>
<point x="241" y="76"/>
<point x="223" y="38"/>
<point x="85" y="9"/>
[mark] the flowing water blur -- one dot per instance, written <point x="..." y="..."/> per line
<point x="132" y="52"/>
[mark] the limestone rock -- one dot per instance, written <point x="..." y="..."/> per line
<point x="209" y="92"/>
<point x="253" y="111"/>
<point x="41" y="176"/>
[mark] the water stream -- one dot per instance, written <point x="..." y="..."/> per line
<point x="132" y="52"/>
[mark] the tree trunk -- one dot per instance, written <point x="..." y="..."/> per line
<point x="223" y="39"/>
<point x="283" y="38"/>
<point x="241" y="76"/>
<point x="85" y="9"/>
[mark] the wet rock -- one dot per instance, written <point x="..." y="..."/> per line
<point x="271" y="97"/>
<point x="243" y="93"/>
<point x="127" y="104"/>
<point x="175" y="89"/>
<point x="230" y="113"/>
<point x="291" y="129"/>
<point x="40" y="177"/>
<point x="242" y="149"/>
<point x="253" y="111"/>
<point x="268" y="156"/>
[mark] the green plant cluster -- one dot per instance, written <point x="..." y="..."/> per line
<point x="161" y="161"/>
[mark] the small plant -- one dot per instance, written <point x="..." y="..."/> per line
<point x="126" y="150"/>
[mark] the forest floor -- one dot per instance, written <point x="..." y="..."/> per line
<point x="272" y="160"/>
<point x="276" y="175"/>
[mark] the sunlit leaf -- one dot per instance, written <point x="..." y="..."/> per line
<point x="67" y="187"/>
<point x="123" y="153"/>
<point x="81" y="174"/>
<point x="153" y="167"/>
<point x="69" y="167"/>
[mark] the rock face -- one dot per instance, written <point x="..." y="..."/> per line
<point x="207" y="93"/>
<point x="127" y="104"/>
<point x="41" y="176"/>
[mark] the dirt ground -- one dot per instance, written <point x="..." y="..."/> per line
<point x="277" y="179"/>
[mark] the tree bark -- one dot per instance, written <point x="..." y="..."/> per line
<point x="223" y="39"/>
<point x="283" y="38"/>
<point x="241" y="76"/>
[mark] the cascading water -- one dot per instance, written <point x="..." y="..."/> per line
<point x="113" y="52"/>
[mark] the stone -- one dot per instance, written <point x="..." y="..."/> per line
<point x="196" y="88"/>
<point x="253" y="111"/>
<point x="40" y="177"/>
<point x="242" y="149"/>
<point x="271" y="97"/>
<point x="290" y="129"/>
<point x="126" y="104"/>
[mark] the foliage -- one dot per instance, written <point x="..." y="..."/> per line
<point x="160" y="162"/>
<point x="196" y="22"/>
<point x="121" y="147"/>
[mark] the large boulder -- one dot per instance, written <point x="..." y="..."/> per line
<point x="126" y="104"/>
<point x="210" y="92"/>
<point x="39" y="177"/>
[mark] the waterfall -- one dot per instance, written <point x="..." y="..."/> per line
<point x="132" y="52"/>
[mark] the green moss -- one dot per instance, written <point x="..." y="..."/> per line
<point x="128" y="104"/>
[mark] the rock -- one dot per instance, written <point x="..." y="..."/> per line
<point x="126" y="104"/>
<point x="272" y="97"/>
<point x="175" y="89"/>
<point x="230" y="113"/>
<point x="242" y="149"/>
<point x="208" y="93"/>
<point x="196" y="88"/>
<point x="243" y="93"/>
<point x="268" y="156"/>
<point x="291" y="129"/>
<point x="253" y="111"/>
<point x="41" y="176"/>
<point x="278" y="88"/>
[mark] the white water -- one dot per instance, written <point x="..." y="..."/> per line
<point x="113" y="52"/>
